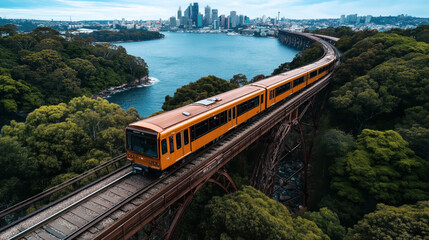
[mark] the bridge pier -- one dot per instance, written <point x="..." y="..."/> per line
<point x="294" y="40"/>
<point x="288" y="147"/>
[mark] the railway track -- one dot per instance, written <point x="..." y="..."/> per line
<point x="64" y="223"/>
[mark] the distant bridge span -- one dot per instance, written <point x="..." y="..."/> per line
<point x="123" y="208"/>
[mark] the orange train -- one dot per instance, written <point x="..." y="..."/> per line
<point x="160" y="141"/>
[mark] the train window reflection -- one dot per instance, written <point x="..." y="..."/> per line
<point x="142" y="143"/>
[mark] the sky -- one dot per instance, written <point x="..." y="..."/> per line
<point x="63" y="10"/>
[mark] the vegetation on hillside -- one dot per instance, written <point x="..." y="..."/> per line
<point x="44" y="67"/>
<point x="379" y="98"/>
<point x="57" y="142"/>
<point x="122" y="35"/>
<point x="249" y="214"/>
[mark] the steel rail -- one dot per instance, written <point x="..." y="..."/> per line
<point x="27" y="230"/>
<point x="130" y="198"/>
<point x="59" y="187"/>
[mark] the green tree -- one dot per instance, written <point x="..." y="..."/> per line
<point x="383" y="167"/>
<point x="328" y="222"/>
<point x="62" y="140"/>
<point x="239" y="80"/>
<point x="387" y="222"/>
<point x="203" y="88"/>
<point x="249" y="214"/>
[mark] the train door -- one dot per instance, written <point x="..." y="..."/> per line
<point x="234" y="116"/>
<point x="186" y="149"/>
<point x="175" y="146"/>
<point x="230" y="122"/>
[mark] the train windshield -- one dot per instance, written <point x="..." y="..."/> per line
<point x="142" y="143"/>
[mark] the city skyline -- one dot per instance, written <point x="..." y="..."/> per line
<point x="63" y="10"/>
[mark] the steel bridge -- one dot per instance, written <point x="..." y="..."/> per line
<point x="120" y="204"/>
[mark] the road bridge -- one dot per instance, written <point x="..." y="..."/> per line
<point x="123" y="203"/>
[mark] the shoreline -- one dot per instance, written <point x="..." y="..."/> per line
<point x="144" y="81"/>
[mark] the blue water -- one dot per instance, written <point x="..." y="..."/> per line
<point x="181" y="58"/>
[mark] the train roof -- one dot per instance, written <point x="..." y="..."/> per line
<point x="168" y="119"/>
<point x="267" y="82"/>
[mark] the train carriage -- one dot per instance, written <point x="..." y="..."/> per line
<point x="160" y="141"/>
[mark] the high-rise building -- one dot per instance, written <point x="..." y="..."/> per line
<point x="368" y="19"/>
<point x="343" y="19"/>
<point x="179" y="13"/>
<point x="184" y="21"/>
<point x="199" y="20"/>
<point x="351" y="19"/>
<point x="207" y="15"/>
<point x="188" y="11"/>
<point x="222" y="21"/>
<point x="241" y="20"/>
<point x="216" y="24"/>
<point x="194" y="13"/>
<point x="215" y="15"/>
<point x="173" y="21"/>
<point x="233" y="19"/>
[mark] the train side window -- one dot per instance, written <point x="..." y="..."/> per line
<point x="186" y="136"/>
<point x="229" y="115"/>
<point x="262" y="98"/>
<point x="313" y="74"/>
<point x="233" y="113"/>
<point x="178" y="141"/>
<point x="171" y="140"/>
<point x="164" y="146"/>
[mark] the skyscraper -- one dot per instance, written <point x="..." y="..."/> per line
<point x="215" y="15"/>
<point x="188" y="11"/>
<point x="343" y="19"/>
<point x="207" y="16"/>
<point x="179" y="13"/>
<point x="199" y="20"/>
<point x="222" y="21"/>
<point x="233" y="19"/>
<point x="194" y="13"/>
<point x="173" y="21"/>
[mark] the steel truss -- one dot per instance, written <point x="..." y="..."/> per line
<point x="289" y="144"/>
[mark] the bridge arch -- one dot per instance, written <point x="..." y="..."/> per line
<point x="221" y="178"/>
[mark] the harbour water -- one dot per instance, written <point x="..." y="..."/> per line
<point x="181" y="58"/>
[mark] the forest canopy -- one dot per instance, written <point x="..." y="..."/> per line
<point x="44" y="67"/>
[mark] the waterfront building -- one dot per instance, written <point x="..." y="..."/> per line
<point x="194" y="13"/>
<point x="215" y="15"/>
<point x="184" y="21"/>
<point x="222" y="21"/>
<point x="241" y="20"/>
<point x="207" y="16"/>
<point x="233" y="19"/>
<point x="179" y="13"/>
<point x="188" y="11"/>
<point x="216" y="24"/>
<point x="199" y="20"/>
<point x="172" y="22"/>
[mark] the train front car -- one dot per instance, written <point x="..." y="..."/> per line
<point x="143" y="148"/>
